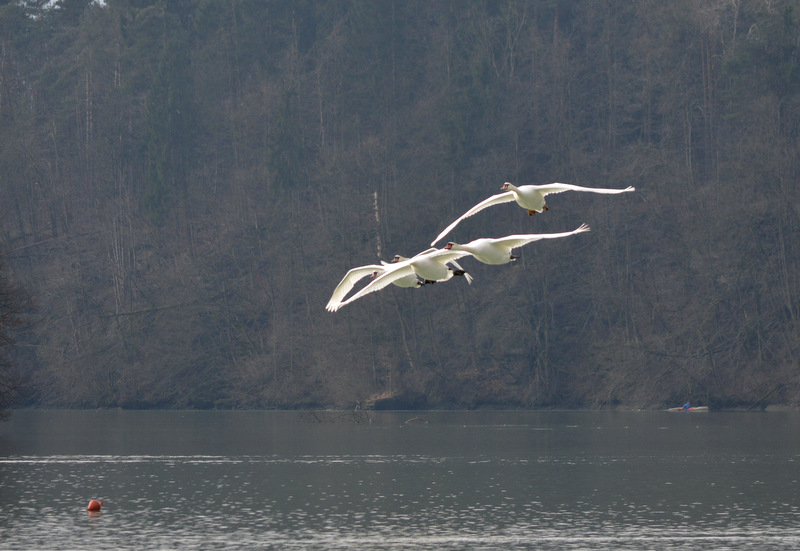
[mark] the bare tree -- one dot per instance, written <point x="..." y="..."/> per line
<point x="14" y="304"/>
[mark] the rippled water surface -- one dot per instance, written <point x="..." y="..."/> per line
<point x="447" y="480"/>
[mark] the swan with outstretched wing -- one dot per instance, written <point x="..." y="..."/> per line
<point x="499" y="250"/>
<point x="530" y="197"/>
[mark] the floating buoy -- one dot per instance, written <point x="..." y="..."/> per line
<point x="94" y="505"/>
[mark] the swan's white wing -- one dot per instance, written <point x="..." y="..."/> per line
<point x="348" y="282"/>
<point x="505" y="197"/>
<point x="385" y="279"/>
<point x="557" y="187"/>
<point x="426" y="252"/>
<point x="445" y="255"/>
<point x="441" y="255"/>
<point x="514" y="241"/>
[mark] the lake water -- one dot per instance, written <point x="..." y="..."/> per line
<point x="452" y="480"/>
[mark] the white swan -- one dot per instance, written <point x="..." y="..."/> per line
<point x="352" y="276"/>
<point x="430" y="266"/>
<point x="498" y="251"/>
<point x="530" y="197"/>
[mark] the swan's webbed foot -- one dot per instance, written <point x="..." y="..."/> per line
<point x="531" y="212"/>
<point x="428" y="282"/>
<point x="513" y="257"/>
<point x="458" y="272"/>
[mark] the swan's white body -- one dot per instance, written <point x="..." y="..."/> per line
<point x="351" y="277"/>
<point x="429" y="265"/>
<point x="530" y="197"/>
<point x="498" y="251"/>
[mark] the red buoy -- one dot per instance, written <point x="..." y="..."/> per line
<point x="94" y="505"/>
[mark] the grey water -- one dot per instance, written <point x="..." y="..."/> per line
<point x="400" y="480"/>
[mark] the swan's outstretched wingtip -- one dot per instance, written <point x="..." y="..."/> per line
<point x="583" y="228"/>
<point x="441" y="235"/>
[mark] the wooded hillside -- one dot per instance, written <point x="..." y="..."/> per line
<point x="183" y="183"/>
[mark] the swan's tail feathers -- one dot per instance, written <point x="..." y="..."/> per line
<point x="460" y="271"/>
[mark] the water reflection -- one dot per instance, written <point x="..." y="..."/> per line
<point x="488" y="480"/>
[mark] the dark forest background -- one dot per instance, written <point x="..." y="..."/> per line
<point x="183" y="183"/>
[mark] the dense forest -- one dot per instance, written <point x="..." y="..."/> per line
<point x="14" y="308"/>
<point x="183" y="183"/>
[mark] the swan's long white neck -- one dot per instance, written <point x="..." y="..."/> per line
<point x="457" y="247"/>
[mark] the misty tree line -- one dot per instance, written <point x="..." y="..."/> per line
<point x="185" y="182"/>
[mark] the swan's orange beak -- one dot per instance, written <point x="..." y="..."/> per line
<point x="504" y="186"/>
<point x="449" y="246"/>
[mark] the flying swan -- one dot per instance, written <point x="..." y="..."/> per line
<point x="429" y="266"/>
<point x="355" y="274"/>
<point x="498" y="251"/>
<point x="529" y="197"/>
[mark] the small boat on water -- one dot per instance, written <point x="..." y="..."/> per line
<point x="691" y="409"/>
